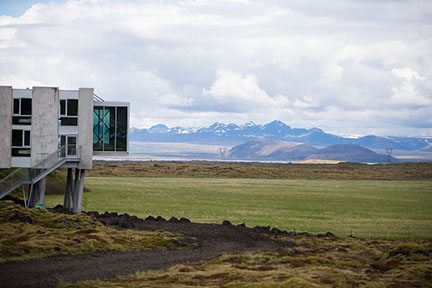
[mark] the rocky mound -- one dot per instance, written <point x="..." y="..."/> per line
<point x="127" y="221"/>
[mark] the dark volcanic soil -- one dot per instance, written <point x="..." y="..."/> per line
<point x="213" y="240"/>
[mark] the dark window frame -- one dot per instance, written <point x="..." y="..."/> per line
<point x="17" y="138"/>
<point x="16" y="106"/>
<point x="22" y="111"/>
<point x="27" y="138"/>
<point x="69" y="121"/>
<point x="116" y="131"/>
<point x="24" y="138"/>
<point x="65" y="107"/>
<point x="67" y="114"/>
<point x="26" y="107"/>
<point x="70" y="142"/>
<point x="23" y="148"/>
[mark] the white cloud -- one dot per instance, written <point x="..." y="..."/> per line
<point x="173" y="100"/>
<point x="345" y="66"/>
<point x="407" y="93"/>
<point x="242" y="92"/>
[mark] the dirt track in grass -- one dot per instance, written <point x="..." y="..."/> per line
<point x="212" y="240"/>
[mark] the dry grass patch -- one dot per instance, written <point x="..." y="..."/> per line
<point x="205" y="169"/>
<point x="310" y="263"/>
<point x="34" y="233"/>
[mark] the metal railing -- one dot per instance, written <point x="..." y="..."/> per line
<point x="14" y="180"/>
<point x="31" y="175"/>
<point x="97" y="98"/>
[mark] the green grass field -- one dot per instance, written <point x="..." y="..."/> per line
<point x="365" y="208"/>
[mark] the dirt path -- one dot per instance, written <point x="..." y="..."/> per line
<point x="212" y="239"/>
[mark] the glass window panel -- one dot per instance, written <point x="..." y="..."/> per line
<point x="62" y="107"/>
<point x="121" y="137"/>
<point x="62" y="140"/>
<point x="71" y="145"/>
<point x="26" y="106"/>
<point x="68" y="121"/>
<point x="109" y="129"/>
<point x="98" y="128"/>
<point x="17" y="138"/>
<point x="72" y="140"/>
<point x="105" y="124"/>
<point x="21" y="152"/>
<point x="26" y="138"/>
<point x="72" y="107"/>
<point x="16" y="106"/>
<point x="19" y="120"/>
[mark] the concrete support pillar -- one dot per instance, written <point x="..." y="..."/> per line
<point x="5" y="126"/>
<point x="78" y="190"/>
<point x="37" y="193"/>
<point x="69" y="190"/>
<point x="44" y="124"/>
<point x="32" y="195"/>
<point x="41" y="186"/>
<point x="74" y="191"/>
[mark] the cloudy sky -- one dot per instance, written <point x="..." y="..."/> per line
<point x="349" y="67"/>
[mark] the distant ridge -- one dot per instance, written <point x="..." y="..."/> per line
<point x="272" y="150"/>
<point x="233" y="134"/>
<point x="287" y="151"/>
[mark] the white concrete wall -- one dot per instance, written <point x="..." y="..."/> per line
<point x="22" y="93"/>
<point x="5" y="126"/>
<point x="69" y="94"/>
<point x="23" y="162"/>
<point x="68" y="130"/>
<point x="45" y="111"/>
<point x="85" y="127"/>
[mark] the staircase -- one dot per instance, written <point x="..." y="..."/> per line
<point x="30" y="176"/>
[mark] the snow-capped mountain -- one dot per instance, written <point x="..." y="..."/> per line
<point x="233" y="134"/>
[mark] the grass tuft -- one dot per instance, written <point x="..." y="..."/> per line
<point x="34" y="233"/>
<point x="362" y="263"/>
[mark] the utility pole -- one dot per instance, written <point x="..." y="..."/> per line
<point x="222" y="152"/>
<point x="389" y="151"/>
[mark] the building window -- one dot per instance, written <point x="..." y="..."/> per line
<point x="122" y="129"/>
<point x="22" y="111"/>
<point x="68" y="145"/>
<point x="69" y="112"/>
<point x="62" y="107"/>
<point x="16" y="106"/>
<point x="98" y="120"/>
<point x="21" y="143"/>
<point x="26" y="138"/>
<point x="110" y="128"/>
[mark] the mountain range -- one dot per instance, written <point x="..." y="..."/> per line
<point x="233" y="134"/>
<point x="277" y="150"/>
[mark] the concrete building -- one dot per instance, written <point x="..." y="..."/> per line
<point x="44" y="128"/>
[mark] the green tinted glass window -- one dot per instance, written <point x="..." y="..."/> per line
<point x="109" y="129"/>
<point x="98" y="117"/>
<point x="121" y="135"/>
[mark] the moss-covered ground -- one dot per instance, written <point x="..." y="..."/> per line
<point x="311" y="262"/>
<point x="34" y="233"/>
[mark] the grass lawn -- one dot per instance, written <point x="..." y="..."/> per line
<point x="366" y="208"/>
